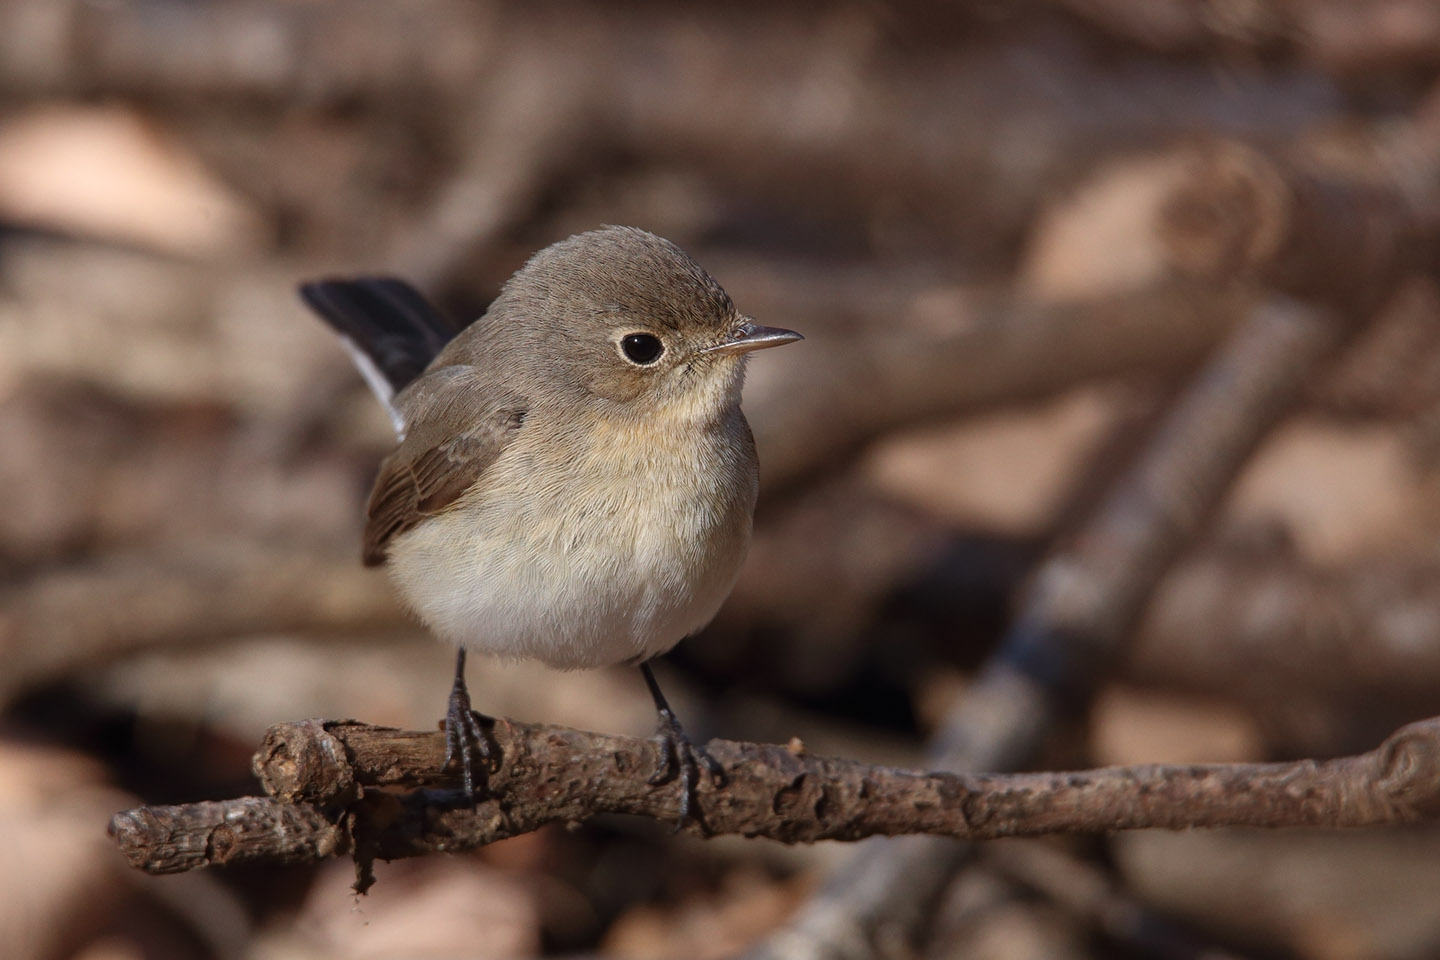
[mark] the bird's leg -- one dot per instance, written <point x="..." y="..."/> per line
<point x="677" y="754"/>
<point x="464" y="736"/>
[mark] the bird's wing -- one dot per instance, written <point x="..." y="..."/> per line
<point x="459" y="423"/>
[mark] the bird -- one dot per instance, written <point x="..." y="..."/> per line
<point x="574" y="480"/>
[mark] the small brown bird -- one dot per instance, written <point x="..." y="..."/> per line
<point x="574" y="481"/>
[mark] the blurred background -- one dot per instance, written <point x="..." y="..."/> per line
<point x="1012" y="234"/>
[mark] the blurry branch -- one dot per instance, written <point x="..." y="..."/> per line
<point x="1354" y="648"/>
<point x="1238" y="216"/>
<point x="1087" y="892"/>
<point x="1072" y="625"/>
<point x="1392" y="371"/>
<point x="251" y="49"/>
<point x="1354" y="645"/>
<point x="82" y="617"/>
<point x="519" y="136"/>
<point x="1241" y="214"/>
<point x="964" y="351"/>
<point x="323" y="779"/>
<point x="946" y="134"/>
<point x="1317" y="232"/>
<point x="1340" y="35"/>
<point x="1299" y="226"/>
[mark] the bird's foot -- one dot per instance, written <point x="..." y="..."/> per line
<point x="681" y="757"/>
<point x="465" y="739"/>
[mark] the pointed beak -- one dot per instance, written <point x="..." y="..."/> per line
<point x="749" y="335"/>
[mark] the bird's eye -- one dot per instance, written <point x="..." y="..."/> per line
<point x="641" y="348"/>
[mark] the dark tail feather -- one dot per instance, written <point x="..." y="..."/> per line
<point x="386" y="320"/>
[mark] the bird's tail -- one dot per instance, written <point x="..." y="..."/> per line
<point x="391" y="330"/>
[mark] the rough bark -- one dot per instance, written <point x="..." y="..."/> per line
<point x="328" y="783"/>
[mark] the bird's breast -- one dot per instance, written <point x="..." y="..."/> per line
<point x="585" y="552"/>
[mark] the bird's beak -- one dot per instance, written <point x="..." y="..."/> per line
<point x="749" y="335"/>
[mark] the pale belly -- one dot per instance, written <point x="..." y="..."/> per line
<point x="577" y="581"/>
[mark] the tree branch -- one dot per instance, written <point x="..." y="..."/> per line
<point x="327" y="780"/>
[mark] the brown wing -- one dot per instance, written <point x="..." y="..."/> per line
<point x="453" y="433"/>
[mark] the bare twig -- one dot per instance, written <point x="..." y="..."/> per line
<point x="174" y="839"/>
<point x="318" y="772"/>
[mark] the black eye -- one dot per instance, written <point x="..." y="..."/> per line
<point x="641" y="348"/>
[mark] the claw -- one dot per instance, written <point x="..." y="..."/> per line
<point x="464" y="736"/>
<point x="679" y="756"/>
